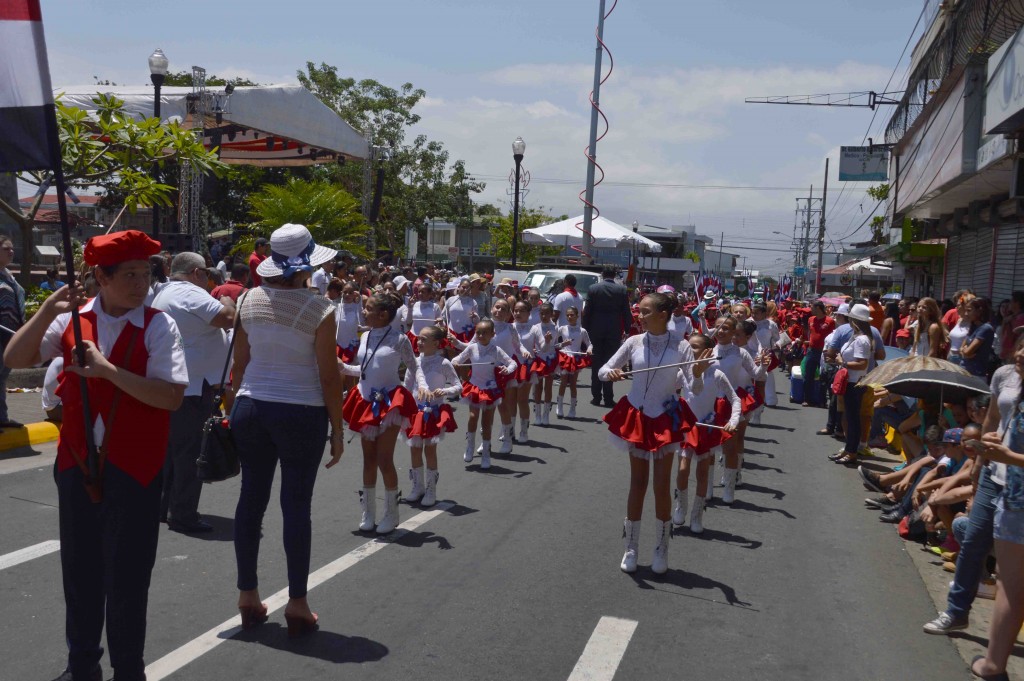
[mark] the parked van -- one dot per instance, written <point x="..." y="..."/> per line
<point x="545" y="279"/>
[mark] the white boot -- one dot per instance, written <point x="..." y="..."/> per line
<point x="430" y="494"/>
<point x="536" y="414"/>
<point x="558" y="408"/>
<point x="572" y="409"/>
<point x="547" y="414"/>
<point x="755" y="417"/>
<point x="524" y="431"/>
<point x="679" y="506"/>
<point x="470" y="441"/>
<point x="631" y="534"/>
<point x="389" y="521"/>
<point x="659" y="562"/>
<point x="697" y="516"/>
<point x="506" y="440"/>
<point x="739" y="471"/>
<point x="485" y="455"/>
<point x="416" y="477"/>
<point x="729" y="493"/>
<point x="368" y="505"/>
<point x="480" y="449"/>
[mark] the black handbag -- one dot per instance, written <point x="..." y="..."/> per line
<point x="218" y="456"/>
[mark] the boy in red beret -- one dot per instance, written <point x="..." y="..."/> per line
<point x="136" y="376"/>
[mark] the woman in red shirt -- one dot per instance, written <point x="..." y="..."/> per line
<point x="818" y="326"/>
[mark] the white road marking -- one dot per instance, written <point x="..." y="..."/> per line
<point x="176" y="659"/>
<point x="30" y="553"/>
<point x="604" y="651"/>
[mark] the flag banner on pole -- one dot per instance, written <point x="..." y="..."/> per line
<point x="26" y="97"/>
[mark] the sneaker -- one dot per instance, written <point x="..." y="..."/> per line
<point x="945" y="624"/>
<point x="899" y="466"/>
<point x="865" y="451"/>
<point x="879" y="502"/>
<point x="893" y="516"/>
<point x="871" y="479"/>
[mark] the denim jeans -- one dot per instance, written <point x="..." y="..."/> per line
<point x="851" y="403"/>
<point x="265" y="433"/>
<point x="810" y="382"/>
<point x="974" y="549"/>
<point x="892" y="415"/>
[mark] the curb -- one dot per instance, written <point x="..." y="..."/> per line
<point x="29" y="434"/>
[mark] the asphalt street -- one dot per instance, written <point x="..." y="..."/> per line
<point x="515" y="576"/>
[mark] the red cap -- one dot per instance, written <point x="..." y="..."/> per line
<point x="110" y="249"/>
<point x="903" y="333"/>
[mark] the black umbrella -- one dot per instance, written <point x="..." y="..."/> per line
<point x="945" y="385"/>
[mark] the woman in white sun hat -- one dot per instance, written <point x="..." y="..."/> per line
<point x="854" y="356"/>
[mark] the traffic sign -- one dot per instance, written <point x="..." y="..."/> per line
<point x="799" y="271"/>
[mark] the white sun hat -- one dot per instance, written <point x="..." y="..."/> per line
<point x="292" y="249"/>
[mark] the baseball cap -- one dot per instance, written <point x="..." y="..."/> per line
<point x="665" y="288"/>
<point x="953" y="436"/>
<point x="844" y="310"/>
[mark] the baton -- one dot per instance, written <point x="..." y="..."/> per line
<point x="669" y="366"/>
<point x="709" y="425"/>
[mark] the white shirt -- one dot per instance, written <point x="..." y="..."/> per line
<point x="381" y="352"/>
<point x="652" y="391"/>
<point x="484" y="360"/>
<point x="526" y="340"/>
<point x="419" y="316"/>
<point x="576" y="335"/>
<point x="320" y="279"/>
<point x="535" y="315"/>
<point x="857" y="348"/>
<point x="541" y="347"/>
<point x="507" y="338"/>
<point x="461" y="314"/>
<point x="206" y="347"/>
<point x="957" y="335"/>
<point x="737" y="365"/>
<point x="563" y="301"/>
<point x="434" y="372"/>
<point x="348" y="317"/>
<point x="715" y="385"/>
<point x="163" y="344"/>
<point x="681" y="324"/>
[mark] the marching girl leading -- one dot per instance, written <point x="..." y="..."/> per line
<point x="738" y="366"/>
<point x="482" y="392"/>
<point x="524" y="375"/>
<point x="434" y="417"/>
<point x="571" y="358"/>
<point x="545" y="362"/>
<point x="652" y="422"/>
<point x="419" y="313"/>
<point x="380" y="406"/>
<point x="507" y="338"/>
<point x="460" y="313"/>
<point x="348" y="315"/>
<point x="714" y="402"/>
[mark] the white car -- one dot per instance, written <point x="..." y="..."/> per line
<point x="545" y="279"/>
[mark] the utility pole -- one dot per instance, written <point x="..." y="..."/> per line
<point x="821" y="233"/>
<point x="803" y="243"/>
<point x="588" y="204"/>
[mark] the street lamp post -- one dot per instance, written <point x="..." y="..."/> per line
<point x="636" y="268"/>
<point x="518" y="149"/>
<point x="157" y="73"/>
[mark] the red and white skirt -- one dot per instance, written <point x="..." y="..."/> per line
<point x="369" y="418"/>
<point x="749" y="399"/>
<point x="348" y="355"/>
<point x="709" y="440"/>
<point x="543" y="367"/>
<point x="506" y="380"/>
<point x="570" y="364"/>
<point x="430" y="424"/>
<point x="481" y="398"/>
<point x="524" y="373"/>
<point x="650" y="438"/>
<point x="464" y="336"/>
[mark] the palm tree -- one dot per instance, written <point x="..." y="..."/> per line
<point x="330" y="213"/>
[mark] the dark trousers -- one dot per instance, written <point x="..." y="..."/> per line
<point x="107" y="552"/>
<point x="265" y="433"/>
<point x="974" y="549"/>
<point x="810" y="382"/>
<point x="181" y="489"/>
<point x="852" y="398"/>
<point x="604" y="348"/>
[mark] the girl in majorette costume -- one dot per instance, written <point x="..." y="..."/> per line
<point x="769" y="338"/>
<point x="482" y="392"/>
<point x="738" y="366"/>
<point x="420" y="313"/>
<point x="652" y="422"/>
<point x="434" y="417"/>
<point x="379" y="406"/>
<point x="524" y="375"/>
<point x="748" y="329"/>
<point x="460" y="313"/>
<point x="571" y="358"/>
<point x="545" y="361"/>
<point x="349" y="318"/>
<point x="716" y="403"/>
<point x="507" y="338"/>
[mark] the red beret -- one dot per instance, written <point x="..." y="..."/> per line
<point x="110" y="249"/>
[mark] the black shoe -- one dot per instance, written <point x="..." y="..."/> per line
<point x="609" y="403"/>
<point x="893" y="516"/>
<point x="11" y="424"/>
<point x="197" y="527"/>
<point x="882" y="503"/>
<point x="596" y="401"/>
<point x="871" y="479"/>
<point x="97" y="675"/>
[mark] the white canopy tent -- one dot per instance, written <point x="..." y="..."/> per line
<point x="865" y="266"/>
<point x="606" y="234"/>
<point x="275" y="125"/>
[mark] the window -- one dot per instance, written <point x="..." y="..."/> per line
<point x="440" y="237"/>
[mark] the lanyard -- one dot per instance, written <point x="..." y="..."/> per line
<point x="650" y="375"/>
<point x="367" y="360"/>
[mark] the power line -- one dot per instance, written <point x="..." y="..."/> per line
<point x="660" y="185"/>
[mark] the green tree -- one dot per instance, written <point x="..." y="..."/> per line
<point x="329" y="212"/>
<point x="501" y="234"/>
<point x="116" y="152"/>
<point x="184" y="79"/>
<point x="419" y="183"/>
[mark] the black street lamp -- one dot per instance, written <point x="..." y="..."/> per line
<point x="518" y="149"/>
<point x="157" y="73"/>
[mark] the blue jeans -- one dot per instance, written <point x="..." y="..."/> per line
<point x="892" y="415"/>
<point x="851" y="403"/>
<point x="810" y="382"/>
<point x="265" y="433"/>
<point x="974" y="549"/>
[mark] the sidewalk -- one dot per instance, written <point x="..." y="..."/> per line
<point x="26" y="408"/>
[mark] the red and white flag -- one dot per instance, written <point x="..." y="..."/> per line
<point x="26" y="97"/>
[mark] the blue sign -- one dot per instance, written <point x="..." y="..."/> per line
<point x="799" y="271"/>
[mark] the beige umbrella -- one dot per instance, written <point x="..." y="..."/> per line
<point x="887" y="371"/>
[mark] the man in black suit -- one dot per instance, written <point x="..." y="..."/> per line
<point x="606" y="317"/>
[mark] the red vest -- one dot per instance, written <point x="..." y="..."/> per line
<point x="137" y="442"/>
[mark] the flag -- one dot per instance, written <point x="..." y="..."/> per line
<point x="26" y="97"/>
<point x="700" y="283"/>
<point x="785" y="288"/>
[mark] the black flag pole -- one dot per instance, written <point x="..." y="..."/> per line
<point x="53" y="141"/>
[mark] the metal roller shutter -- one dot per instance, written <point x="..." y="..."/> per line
<point x="959" y="258"/>
<point x="1009" y="262"/>
<point x="981" y="270"/>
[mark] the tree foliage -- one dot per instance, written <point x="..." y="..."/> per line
<point x="117" y="152"/>
<point x="501" y="233"/>
<point x="330" y="213"/>
<point x="419" y="183"/>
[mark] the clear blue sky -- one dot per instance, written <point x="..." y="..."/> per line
<point x="494" y="70"/>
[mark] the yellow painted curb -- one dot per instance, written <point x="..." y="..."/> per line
<point x="29" y="434"/>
